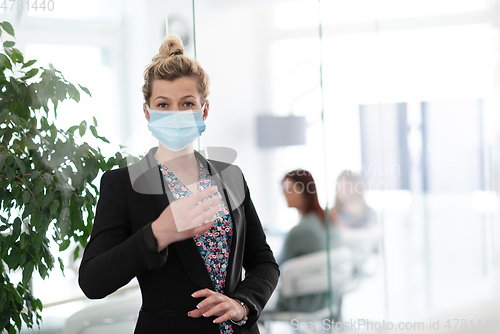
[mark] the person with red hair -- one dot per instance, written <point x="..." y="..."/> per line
<point x="308" y="236"/>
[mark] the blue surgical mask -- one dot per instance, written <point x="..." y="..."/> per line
<point x="176" y="129"/>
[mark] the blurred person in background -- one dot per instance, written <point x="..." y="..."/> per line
<point x="350" y="210"/>
<point x="354" y="224"/>
<point x="308" y="236"/>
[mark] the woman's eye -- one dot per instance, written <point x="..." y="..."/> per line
<point x="188" y="104"/>
<point x="162" y="105"/>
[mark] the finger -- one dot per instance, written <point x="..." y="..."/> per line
<point x="226" y="316"/>
<point x="196" y="313"/>
<point x="207" y="208"/>
<point x="195" y="219"/>
<point x="219" y="308"/>
<point x="222" y="318"/>
<point x="214" y="299"/>
<point x="202" y="293"/>
<point x="204" y="193"/>
<point x="203" y="216"/>
<point x="197" y="207"/>
<point x="204" y="221"/>
<point x="208" y="215"/>
<point x="203" y="228"/>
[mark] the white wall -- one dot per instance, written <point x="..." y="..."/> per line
<point x="233" y="49"/>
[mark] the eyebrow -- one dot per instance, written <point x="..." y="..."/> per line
<point x="166" y="98"/>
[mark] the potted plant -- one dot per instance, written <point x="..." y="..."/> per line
<point x="46" y="177"/>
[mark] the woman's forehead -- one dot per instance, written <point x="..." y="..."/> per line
<point x="175" y="89"/>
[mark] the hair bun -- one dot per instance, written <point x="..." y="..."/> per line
<point x="171" y="46"/>
<point x="170" y="64"/>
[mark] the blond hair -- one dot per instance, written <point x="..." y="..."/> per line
<point x="355" y="180"/>
<point x="170" y="64"/>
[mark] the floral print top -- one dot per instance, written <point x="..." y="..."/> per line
<point x="215" y="244"/>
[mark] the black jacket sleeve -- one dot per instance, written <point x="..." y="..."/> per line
<point x="261" y="269"/>
<point x="114" y="255"/>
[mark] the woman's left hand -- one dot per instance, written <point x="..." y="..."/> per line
<point x="217" y="304"/>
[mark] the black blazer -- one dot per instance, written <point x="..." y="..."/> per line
<point x="120" y="249"/>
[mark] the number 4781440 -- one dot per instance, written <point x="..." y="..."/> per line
<point x="34" y="5"/>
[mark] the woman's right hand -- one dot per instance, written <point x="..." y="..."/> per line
<point x="182" y="218"/>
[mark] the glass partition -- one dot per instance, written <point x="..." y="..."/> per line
<point x="406" y="99"/>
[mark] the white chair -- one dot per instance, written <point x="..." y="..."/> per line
<point x="114" y="315"/>
<point x="363" y="244"/>
<point x="307" y="275"/>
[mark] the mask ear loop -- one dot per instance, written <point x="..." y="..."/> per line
<point x="202" y="110"/>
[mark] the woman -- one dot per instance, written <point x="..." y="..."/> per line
<point x="307" y="237"/>
<point x="183" y="225"/>
<point x="350" y="209"/>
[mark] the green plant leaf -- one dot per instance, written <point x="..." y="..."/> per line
<point x="48" y="178"/>
<point x="13" y="259"/>
<point x="29" y="208"/>
<point x="61" y="264"/>
<point x="4" y="114"/>
<point x="37" y="303"/>
<point x="94" y="131"/>
<point x="17" y="56"/>
<point x="82" y="128"/>
<point x="26" y="197"/>
<point x="76" y="253"/>
<point x="2" y="160"/>
<point x="35" y="174"/>
<point x="42" y="270"/>
<point x="30" y="74"/>
<point x="39" y="185"/>
<point x="86" y="90"/>
<point x="28" y="272"/>
<point x="10" y="175"/>
<point x="8" y="28"/>
<point x="24" y="243"/>
<point x="16" y="231"/>
<point x="47" y="199"/>
<point x="5" y="62"/>
<point x="63" y="245"/>
<point x="20" y="164"/>
<point x="73" y="93"/>
<point x="16" y="88"/>
<point x="28" y="63"/>
<point x="54" y="206"/>
<point x="72" y="129"/>
<point x="9" y="44"/>
<point x="22" y="258"/>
